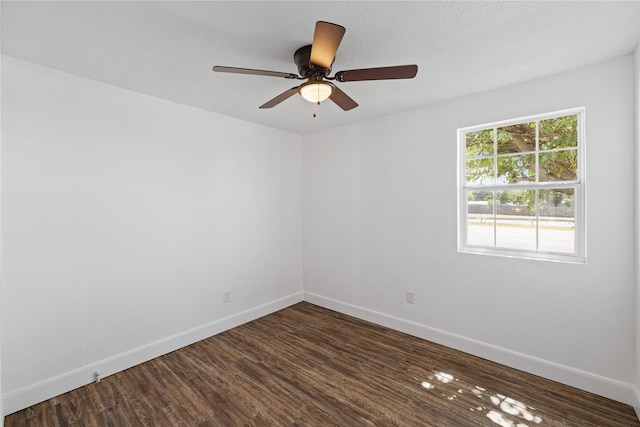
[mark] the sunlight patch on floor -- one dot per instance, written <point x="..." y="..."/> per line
<point x="500" y="409"/>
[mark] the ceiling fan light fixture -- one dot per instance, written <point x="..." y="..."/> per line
<point x="316" y="91"/>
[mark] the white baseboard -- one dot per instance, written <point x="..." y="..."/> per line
<point x="596" y="384"/>
<point x="36" y="393"/>
<point x="636" y="403"/>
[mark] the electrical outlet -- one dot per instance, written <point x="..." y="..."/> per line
<point x="226" y="296"/>
<point x="411" y="297"/>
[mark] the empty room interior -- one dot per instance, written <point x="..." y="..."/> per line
<point x="320" y="213"/>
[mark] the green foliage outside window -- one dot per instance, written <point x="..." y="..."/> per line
<point x="508" y="155"/>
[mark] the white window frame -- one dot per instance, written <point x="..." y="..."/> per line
<point x="579" y="256"/>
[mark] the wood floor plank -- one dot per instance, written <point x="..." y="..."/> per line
<point x="309" y="366"/>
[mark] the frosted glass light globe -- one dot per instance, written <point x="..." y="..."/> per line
<point x="316" y="91"/>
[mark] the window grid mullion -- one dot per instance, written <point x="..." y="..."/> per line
<point x="537" y="191"/>
<point x="495" y="155"/>
<point x="495" y="181"/>
<point x="537" y="151"/>
<point x="537" y="207"/>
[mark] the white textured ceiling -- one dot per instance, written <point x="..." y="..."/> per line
<point x="166" y="49"/>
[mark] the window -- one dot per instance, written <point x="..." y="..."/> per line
<point x="521" y="187"/>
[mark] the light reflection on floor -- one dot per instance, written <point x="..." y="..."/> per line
<point x="500" y="409"/>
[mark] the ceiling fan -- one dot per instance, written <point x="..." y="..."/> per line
<point x="314" y="63"/>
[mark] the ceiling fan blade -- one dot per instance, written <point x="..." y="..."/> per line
<point x="234" y="70"/>
<point x="382" y="73"/>
<point x="342" y="99"/>
<point x="278" y="99"/>
<point x="326" y="39"/>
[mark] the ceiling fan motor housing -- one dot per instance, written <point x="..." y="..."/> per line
<point x="302" y="59"/>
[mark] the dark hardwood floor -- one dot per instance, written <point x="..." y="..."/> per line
<point x="308" y="366"/>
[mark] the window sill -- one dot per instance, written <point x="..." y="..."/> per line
<point x="549" y="257"/>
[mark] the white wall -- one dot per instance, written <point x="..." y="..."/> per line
<point x="124" y="219"/>
<point x="380" y="219"/>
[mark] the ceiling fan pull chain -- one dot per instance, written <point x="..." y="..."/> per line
<point x="315" y="104"/>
